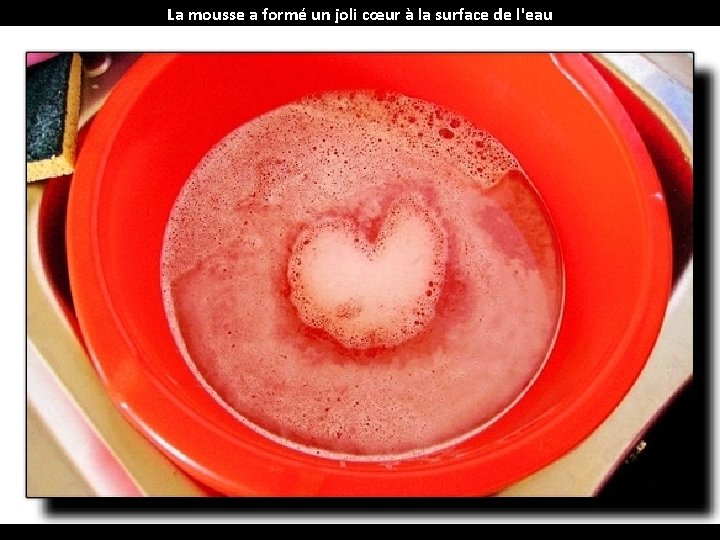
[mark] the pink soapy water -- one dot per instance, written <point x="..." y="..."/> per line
<point x="352" y="290"/>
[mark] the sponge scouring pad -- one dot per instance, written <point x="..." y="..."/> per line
<point x="52" y="111"/>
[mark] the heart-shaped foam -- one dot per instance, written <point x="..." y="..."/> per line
<point x="370" y="294"/>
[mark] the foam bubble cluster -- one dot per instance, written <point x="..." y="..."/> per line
<point x="370" y="294"/>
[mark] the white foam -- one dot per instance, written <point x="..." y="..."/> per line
<point x="370" y="294"/>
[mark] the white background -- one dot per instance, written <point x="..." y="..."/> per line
<point x="14" y="507"/>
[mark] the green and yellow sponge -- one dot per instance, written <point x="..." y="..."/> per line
<point x="52" y="111"/>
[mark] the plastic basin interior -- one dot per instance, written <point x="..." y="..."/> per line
<point x="554" y="112"/>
